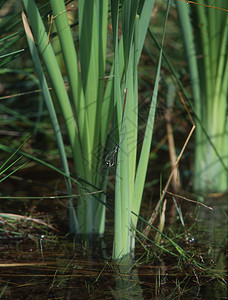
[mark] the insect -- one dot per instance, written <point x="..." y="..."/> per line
<point x="110" y="158"/>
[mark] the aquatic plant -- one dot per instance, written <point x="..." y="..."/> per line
<point x="92" y="106"/>
<point x="205" y="35"/>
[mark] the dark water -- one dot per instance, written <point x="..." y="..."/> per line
<point x="40" y="264"/>
<point x="61" y="274"/>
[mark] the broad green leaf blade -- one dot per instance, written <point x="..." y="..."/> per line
<point x="54" y="120"/>
<point x="71" y="61"/>
<point x="51" y="64"/>
<point x="144" y="155"/>
<point x="129" y="11"/>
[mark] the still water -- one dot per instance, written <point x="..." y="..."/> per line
<point x="48" y="266"/>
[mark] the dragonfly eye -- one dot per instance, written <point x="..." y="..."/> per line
<point x="108" y="162"/>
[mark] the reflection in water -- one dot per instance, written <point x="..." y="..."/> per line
<point x="127" y="285"/>
<point x="54" y="267"/>
<point x="214" y="225"/>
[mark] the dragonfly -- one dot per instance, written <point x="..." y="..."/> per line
<point x="110" y="158"/>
